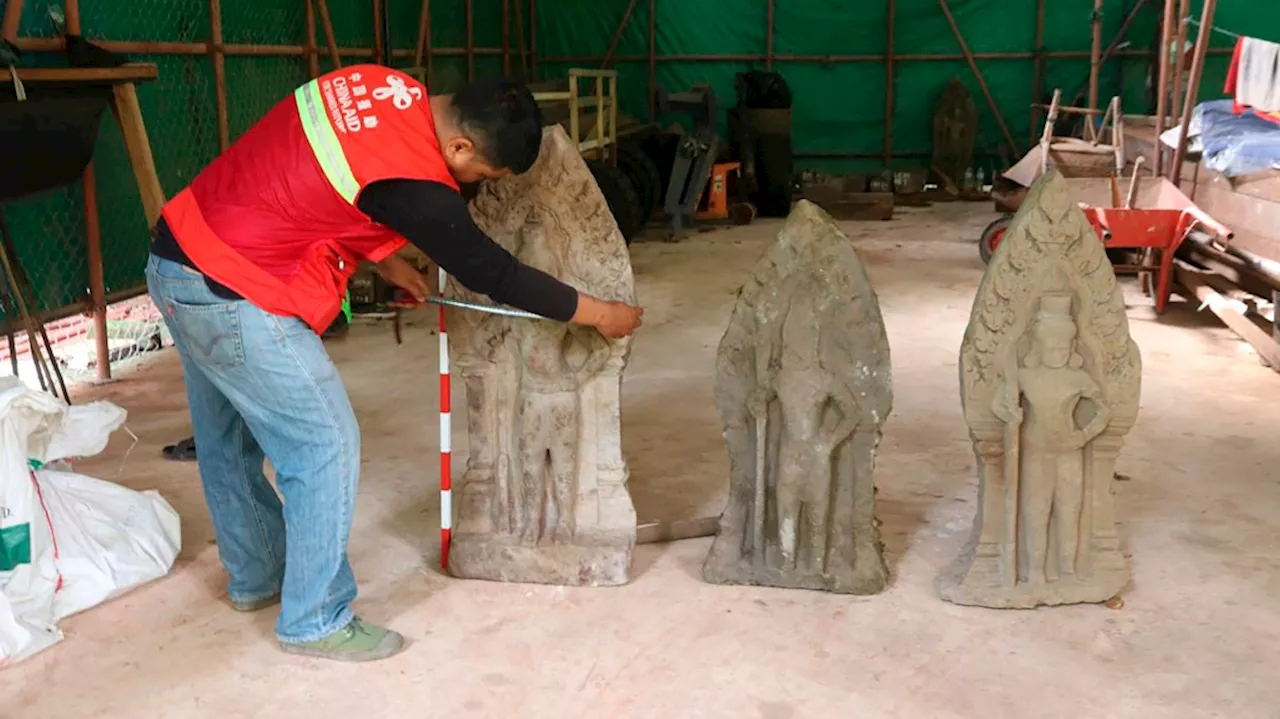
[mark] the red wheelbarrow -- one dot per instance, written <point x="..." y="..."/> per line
<point x="1156" y="219"/>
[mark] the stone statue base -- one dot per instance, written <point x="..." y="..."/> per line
<point x="868" y="577"/>
<point x="600" y="561"/>
<point x="975" y="579"/>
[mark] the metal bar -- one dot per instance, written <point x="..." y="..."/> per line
<point x="93" y="235"/>
<point x="1180" y="42"/>
<point x="313" y="57"/>
<point x="889" y="74"/>
<point x="653" y="60"/>
<point x="1124" y="29"/>
<point x="617" y="33"/>
<point x="470" y="12"/>
<point x="219" y="74"/>
<point x="1233" y="313"/>
<point x="1193" y="86"/>
<point x="1162" y="85"/>
<point x="1095" y="53"/>
<point x="424" y="36"/>
<point x="977" y="72"/>
<point x="1037" y="69"/>
<point x="12" y="20"/>
<point x="768" y="38"/>
<point x="326" y="22"/>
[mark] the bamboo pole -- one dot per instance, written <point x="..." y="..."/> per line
<point x="326" y="22"/>
<point x="219" y="74"/>
<point x="653" y="60"/>
<point x="1095" y="54"/>
<point x="469" y="8"/>
<point x="313" y="57"/>
<point x="977" y="72"/>
<point x="1162" y="85"/>
<point x="617" y="34"/>
<point x="1193" y="86"/>
<point x="1037" y="70"/>
<point x="768" y="37"/>
<point x="889" y="76"/>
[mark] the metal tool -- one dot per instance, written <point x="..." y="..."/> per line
<point x="404" y="302"/>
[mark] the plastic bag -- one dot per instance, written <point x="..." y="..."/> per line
<point x="86" y="540"/>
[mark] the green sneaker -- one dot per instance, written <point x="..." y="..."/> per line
<point x="254" y="605"/>
<point x="356" y="642"/>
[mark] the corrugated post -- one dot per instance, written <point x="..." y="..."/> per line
<point x="471" y="40"/>
<point x="1095" y="57"/>
<point x="219" y="74"/>
<point x="653" y="60"/>
<point x="889" y="82"/>
<point x="313" y="57"/>
<point x="92" y="239"/>
<point x="446" y="438"/>
<point x="1162" y="86"/>
<point x="1037" y="71"/>
<point x="1193" y="86"/>
<point x="768" y="38"/>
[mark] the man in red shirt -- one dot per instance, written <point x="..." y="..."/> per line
<point x="249" y="264"/>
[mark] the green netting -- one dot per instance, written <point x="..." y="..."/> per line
<point x="839" y="106"/>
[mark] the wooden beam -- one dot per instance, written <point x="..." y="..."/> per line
<point x="137" y="146"/>
<point x="313" y="57"/>
<point x="653" y="60"/>
<point x="1162" y="85"/>
<point x="142" y="72"/>
<point x="1193" y="87"/>
<point x="12" y="20"/>
<point x="378" y="40"/>
<point x="1233" y="313"/>
<point x="1037" y="71"/>
<point x="506" y="37"/>
<point x="1095" y="53"/>
<point x="768" y="37"/>
<point x="469" y="10"/>
<point x="977" y="73"/>
<point x="326" y="22"/>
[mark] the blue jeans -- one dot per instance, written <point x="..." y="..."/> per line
<point x="261" y="385"/>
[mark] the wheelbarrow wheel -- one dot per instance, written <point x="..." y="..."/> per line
<point x="992" y="236"/>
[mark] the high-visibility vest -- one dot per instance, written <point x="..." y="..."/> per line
<point x="275" y="218"/>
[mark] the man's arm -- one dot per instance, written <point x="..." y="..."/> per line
<point x="434" y="218"/>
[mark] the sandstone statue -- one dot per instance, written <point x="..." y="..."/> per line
<point x="544" y="497"/>
<point x="1049" y="381"/>
<point x="803" y="386"/>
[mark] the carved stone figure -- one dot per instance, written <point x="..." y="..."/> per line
<point x="803" y="387"/>
<point x="955" y="130"/>
<point x="1049" y="380"/>
<point x="544" y="495"/>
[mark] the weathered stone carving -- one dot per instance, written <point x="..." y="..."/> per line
<point x="1049" y="380"/>
<point x="544" y="495"/>
<point x="803" y="387"/>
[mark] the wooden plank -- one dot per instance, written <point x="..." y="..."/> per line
<point x="675" y="530"/>
<point x="134" y="72"/>
<point x="1233" y="313"/>
<point x="137" y="145"/>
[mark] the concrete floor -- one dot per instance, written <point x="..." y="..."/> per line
<point x="1198" y="635"/>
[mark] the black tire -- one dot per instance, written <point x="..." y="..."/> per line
<point x="620" y="195"/>
<point x="644" y="175"/>
<point x="992" y="236"/>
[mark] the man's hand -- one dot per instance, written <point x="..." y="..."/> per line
<point x="396" y="270"/>
<point x="612" y="319"/>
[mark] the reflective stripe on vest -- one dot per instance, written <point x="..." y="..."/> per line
<point x="324" y="141"/>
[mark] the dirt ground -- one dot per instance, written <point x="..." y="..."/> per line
<point x="1199" y="635"/>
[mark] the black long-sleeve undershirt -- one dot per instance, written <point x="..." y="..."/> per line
<point x="434" y="218"/>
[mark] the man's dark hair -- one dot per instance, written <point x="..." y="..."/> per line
<point x="500" y="115"/>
